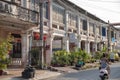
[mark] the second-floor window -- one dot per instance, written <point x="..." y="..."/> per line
<point x="32" y="4"/>
<point x="58" y="14"/>
<point x="72" y="20"/>
<point x="46" y="10"/>
<point x="84" y="25"/>
<point x="103" y="31"/>
<point x="91" y="28"/>
<point x="98" y="30"/>
<point x="112" y="34"/>
<point x="24" y="3"/>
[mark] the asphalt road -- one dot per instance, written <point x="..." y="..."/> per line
<point x="92" y="74"/>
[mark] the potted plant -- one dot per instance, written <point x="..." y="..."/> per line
<point x="5" y="47"/>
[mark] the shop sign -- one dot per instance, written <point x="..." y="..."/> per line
<point x="72" y="37"/>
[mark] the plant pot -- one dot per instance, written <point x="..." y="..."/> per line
<point x="1" y="71"/>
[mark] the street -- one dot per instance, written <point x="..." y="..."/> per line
<point x="92" y="74"/>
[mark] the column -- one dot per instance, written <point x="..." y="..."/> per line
<point x="25" y="49"/>
<point x="87" y="46"/>
<point x="95" y="46"/>
<point x="66" y="38"/>
<point x="78" y="33"/>
<point x="95" y="42"/>
<point x="87" y="43"/>
<point x="87" y="28"/>
<point x="50" y="36"/>
<point x="49" y="52"/>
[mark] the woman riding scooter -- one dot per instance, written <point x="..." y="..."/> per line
<point x="104" y="63"/>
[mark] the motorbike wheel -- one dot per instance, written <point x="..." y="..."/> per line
<point x="102" y="78"/>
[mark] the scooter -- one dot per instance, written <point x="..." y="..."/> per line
<point x="103" y="74"/>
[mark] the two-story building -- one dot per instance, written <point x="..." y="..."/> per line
<point x="66" y="26"/>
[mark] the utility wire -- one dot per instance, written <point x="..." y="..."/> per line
<point x="104" y="1"/>
<point x="95" y="6"/>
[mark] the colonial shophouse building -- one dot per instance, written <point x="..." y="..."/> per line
<point x="65" y="26"/>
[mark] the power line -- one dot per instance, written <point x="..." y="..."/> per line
<point x="95" y="6"/>
<point x="104" y="1"/>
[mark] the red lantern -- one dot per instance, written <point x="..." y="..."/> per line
<point x="44" y="38"/>
<point x="36" y="36"/>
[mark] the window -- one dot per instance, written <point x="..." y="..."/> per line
<point x="84" y="25"/>
<point x="23" y="3"/>
<point x="46" y="10"/>
<point x="58" y="14"/>
<point x="103" y="31"/>
<point x="115" y="36"/>
<point x="91" y="27"/>
<point x="98" y="30"/>
<point x="112" y="34"/>
<point x="32" y="4"/>
<point x="72" y="20"/>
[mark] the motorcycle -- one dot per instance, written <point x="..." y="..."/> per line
<point x="104" y="74"/>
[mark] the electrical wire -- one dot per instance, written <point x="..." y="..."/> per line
<point x="103" y="1"/>
<point x="95" y="6"/>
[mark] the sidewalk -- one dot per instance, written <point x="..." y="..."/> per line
<point x="15" y="74"/>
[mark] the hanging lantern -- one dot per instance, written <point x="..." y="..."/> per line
<point x="36" y="36"/>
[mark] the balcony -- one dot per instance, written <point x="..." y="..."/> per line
<point x="13" y="13"/>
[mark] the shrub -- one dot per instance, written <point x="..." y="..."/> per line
<point x="97" y="55"/>
<point x="5" y="47"/>
<point x="34" y="56"/>
<point x="60" y="58"/>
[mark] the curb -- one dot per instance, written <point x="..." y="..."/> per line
<point x="80" y="69"/>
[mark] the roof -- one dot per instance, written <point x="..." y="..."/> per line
<point x="83" y="11"/>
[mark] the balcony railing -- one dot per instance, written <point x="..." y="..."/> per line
<point x="19" y="12"/>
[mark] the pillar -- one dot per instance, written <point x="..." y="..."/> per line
<point x="66" y="38"/>
<point x="50" y="36"/>
<point x="25" y="49"/>
<point x="87" y="46"/>
<point x="78" y="33"/>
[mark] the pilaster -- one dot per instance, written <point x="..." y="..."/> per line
<point x="25" y="49"/>
<point x="78" y="33"/>
<point x="87" y="46"/>
<point x="66" y="39"/>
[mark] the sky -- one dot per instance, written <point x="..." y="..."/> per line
<point x="103" y="9"/>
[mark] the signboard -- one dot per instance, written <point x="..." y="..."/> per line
<point x="72" y="37"/>
<point x="113" y="39"/>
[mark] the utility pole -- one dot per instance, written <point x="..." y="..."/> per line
<point x="41" y="62"/>
<point x="41" y="17"/>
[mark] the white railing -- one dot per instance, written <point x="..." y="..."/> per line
<point x="16" y="61"/>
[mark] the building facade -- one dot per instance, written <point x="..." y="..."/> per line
<point x="65" y="26"/>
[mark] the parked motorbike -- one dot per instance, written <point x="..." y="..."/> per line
<point x="104" y="74"/>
